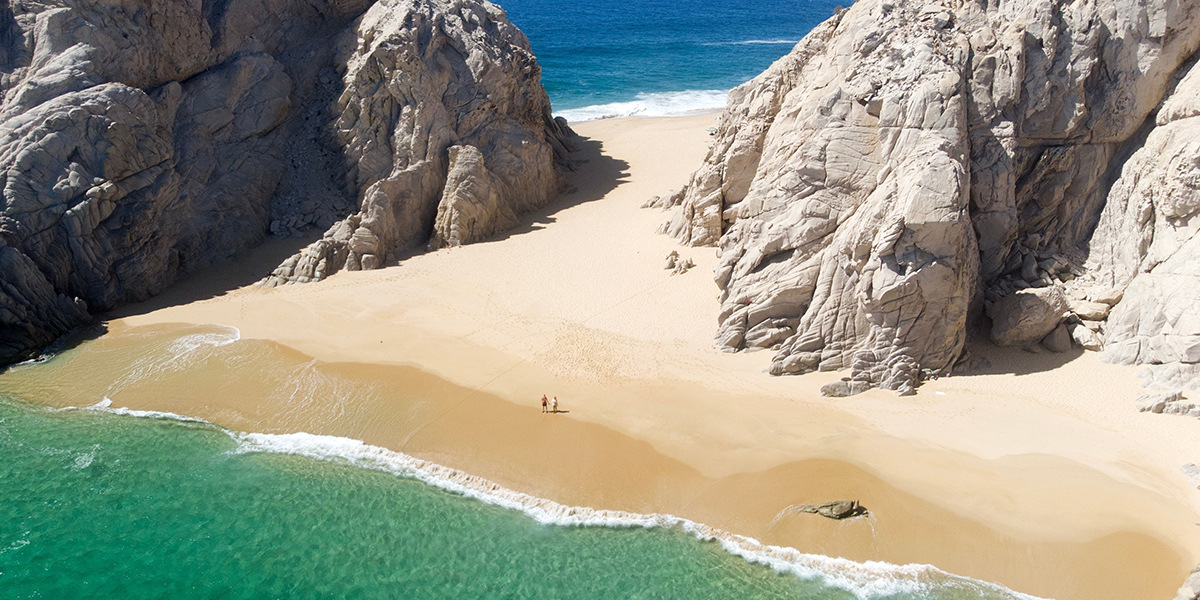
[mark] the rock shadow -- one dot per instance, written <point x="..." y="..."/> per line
<point x="984" y="357"/>
<point x="594" y="174"/>
<point x="245" y="268"/>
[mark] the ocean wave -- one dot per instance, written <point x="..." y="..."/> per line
<point x="658" y="104"/>
<point x="754" y="43"/>
<point x="106" y="406"/>
<point x="865" y="580"/>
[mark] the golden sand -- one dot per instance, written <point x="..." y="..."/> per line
<point x="1035" y="472"/>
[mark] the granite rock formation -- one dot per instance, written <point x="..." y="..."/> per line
<point x="912" y="166"/>
<point x="143" y="139"/>
<point x="446" y="129"/>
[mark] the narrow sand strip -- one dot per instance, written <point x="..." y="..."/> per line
<point x="1037" y="472"/>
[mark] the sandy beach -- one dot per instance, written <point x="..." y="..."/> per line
<point x="1034" y="471"/>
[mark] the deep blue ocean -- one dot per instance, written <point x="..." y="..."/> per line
<point x="607" y="58"/>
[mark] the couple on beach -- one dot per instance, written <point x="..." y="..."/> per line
<point x="553" y="404"/>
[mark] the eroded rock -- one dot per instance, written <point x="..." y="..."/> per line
<point x="837" y="509"/>
<point x="899" y="167"/>
<point x="446" y="131"/>
<point x="1026" y="316"/>
<point x="143" y="140"/>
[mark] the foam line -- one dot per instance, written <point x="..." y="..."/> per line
<point x="660" y="104"/>
<point x="106" y="406"/>
<point x="866" y="580"/>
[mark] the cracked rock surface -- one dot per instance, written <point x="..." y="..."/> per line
<point x="910" y="167"/>
<point x="144" y="139"/>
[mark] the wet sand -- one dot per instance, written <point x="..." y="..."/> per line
<point x="1035" y="471"/>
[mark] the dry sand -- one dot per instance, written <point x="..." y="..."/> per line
<point x="1035" y="472"/>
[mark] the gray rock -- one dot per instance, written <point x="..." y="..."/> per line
<point x="1192" y="471"/>
<point x="1170" y="403"/>
<point x="1156" y="403"/>
<point x="143" y="140"/>
<point x="472" y="207"/>
<point x="1085" y="337"/>
<point x="842" y="389"/>
<point x="898" y="166"/>
<point x="1058" y="340"/>
<point x="1026" y="316"/>
<point x="424" y="76"/>
<point x="1092" y="311"/>
<point x="1190" y="590"/>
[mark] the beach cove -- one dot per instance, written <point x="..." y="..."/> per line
<point x="1035" y="471"/>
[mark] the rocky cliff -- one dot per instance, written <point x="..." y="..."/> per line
<point x="913" y="166"/>
<point x="142" y="139"/>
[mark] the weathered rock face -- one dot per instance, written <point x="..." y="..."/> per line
<point x="1026" y="316"/>
<point x="909" y="164"/>
<point x="423" y="78"/>
<point x="142" y="139"/>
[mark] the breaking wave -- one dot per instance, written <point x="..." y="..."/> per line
<point x="659" y="104"/>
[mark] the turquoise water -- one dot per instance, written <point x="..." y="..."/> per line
<point x="109" y="506"/>
<point x="103" y="505"/>
<point x="657" y="57"/>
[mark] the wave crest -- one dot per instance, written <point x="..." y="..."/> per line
<point x="659" y="104"/>
<point x="864" y="580"/>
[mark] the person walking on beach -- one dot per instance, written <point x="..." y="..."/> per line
<point x="554" y="405"/>
<point x="544" y="402"/>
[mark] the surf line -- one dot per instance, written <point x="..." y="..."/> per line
<point x="866" y="581"/>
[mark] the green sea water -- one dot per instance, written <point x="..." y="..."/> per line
<point x="101" y="505"/>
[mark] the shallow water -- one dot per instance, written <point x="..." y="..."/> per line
<point x="103" y="502"/>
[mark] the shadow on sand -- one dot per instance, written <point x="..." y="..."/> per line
<point x="242" y="270"/>
<point x="986" y="358"/>
<point x="594" y="176"/>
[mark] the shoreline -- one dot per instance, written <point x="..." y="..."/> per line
<point x="1037" y="472"/>
<point x="864" y="580"/>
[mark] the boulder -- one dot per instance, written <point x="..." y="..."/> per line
<point x="1156" y="403"/>
<point x="842" y="389"/>
<point x="1190" y="590"/>
<point x="837" y="509"/>
<point x="1026" y="316"/>
<point x="445" y="131"/>
<point x="1092" y="311"/>
<point x="1058" y="340"/>
<point x="1085" y="337"/>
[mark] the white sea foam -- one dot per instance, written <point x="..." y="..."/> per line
<point x="776" y="42"/>
<point x="179" y="355"/>
<point x="864" y="580"/>
<point x="106" y="406"/>
<point x="660" y="104"/>
<point x="17" y="545"/>
<point x="85" y="459"/>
